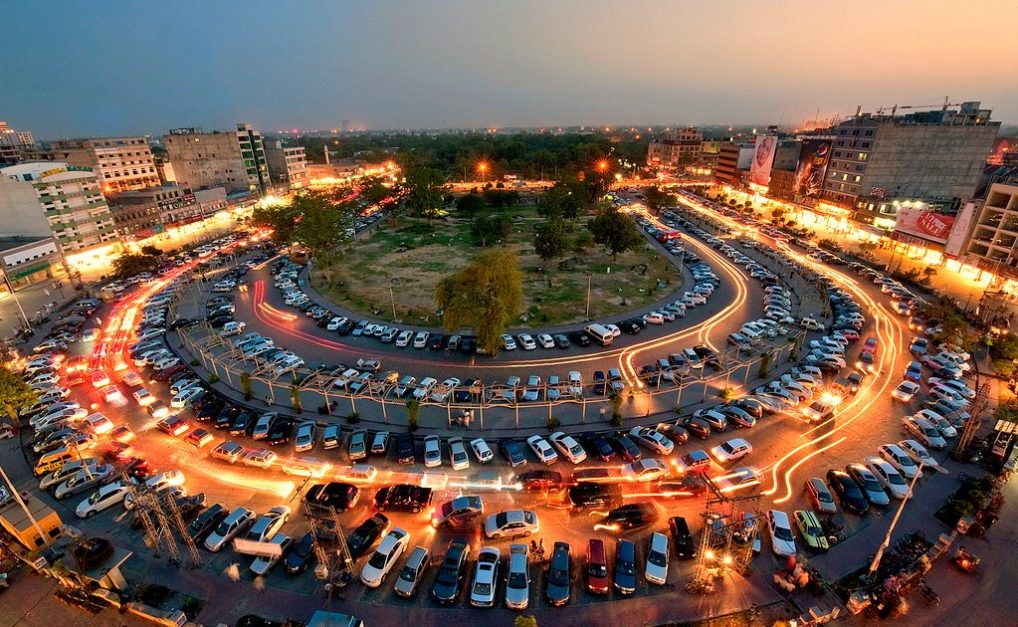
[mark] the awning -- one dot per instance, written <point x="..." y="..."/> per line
<point x="27" y="271"/>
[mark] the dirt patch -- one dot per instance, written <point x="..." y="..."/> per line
<point x="412" y="259"/>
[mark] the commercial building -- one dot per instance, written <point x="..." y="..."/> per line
<point x="14" y="145"/>
<point x="733" y="161"/>
<point x="120" y="163"/>
<point x="233" y="159"/>
<point x="675" y="148"/>
<point x="931" y="157"/>
<point x="165" y="170"/>
<point x="45" y="198"/>
<point x="26" y="261"/>
<point x="288" y="165"/>
<point x="142" y="213"/>
<point x="994" y="236"/>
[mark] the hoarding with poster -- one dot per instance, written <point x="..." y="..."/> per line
<point x="813" y="159"/>
<point x="961" y="227"/>
<point x="928" y="225"/>
<point x="763" y="159"/>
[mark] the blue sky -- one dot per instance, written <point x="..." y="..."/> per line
<point x="106" y="67"/>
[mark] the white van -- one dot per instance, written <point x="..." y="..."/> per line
<point x="233" y="328"/>
<point x="600" y="333"/>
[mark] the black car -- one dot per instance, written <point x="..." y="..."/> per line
<point x="600" y="383"/>
<point x="751" y="406"/>
<point x="447" y="582"/>
<point x="672" y="431"/>
<point x="242" y="423"/>
<point x="697" y="426"/>
<point x="281" y="432"/>
<point x="405" y="449"/>
<point x="561" y="340"/>
<point x="580" y="338"/>
<point x="632" y="516"/>
<point x="631" y="326"/>
<point x="628" y="449"/>
<point x="559" y="579"/>
<point x="540" y="481"/>
<point x="322" y="498"/>
<point x="599" y="447"/>
<point x="180" y="323"/>
<point x="594" y="495"/>
<point x="225" y="417"/>
<point x="692" y="485"/>
<point x="301" y="556"/>
<point x="468" y="345"/>
<point x="206" y="521"/>
<point x="403" y="498"/>
<point x="513" y="452"/>
<point x="360" y="541"/>
<point x="436" y="342"/>
<point x="848" y="491"/>
<point x="625" y="567"/>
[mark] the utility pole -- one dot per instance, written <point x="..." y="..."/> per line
<point x="17" y="498"/>
<point x="887" y="537"/>
<point x="587" y="314"/>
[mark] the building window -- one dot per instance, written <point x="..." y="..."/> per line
<point x="865" y="144"/>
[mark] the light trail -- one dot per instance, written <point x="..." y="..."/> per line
<point x="790" y="471"/>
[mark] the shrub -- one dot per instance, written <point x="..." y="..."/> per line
<point x="553" y="423"/>
<point x="727" y="394"/>
<point x="214" y="378"/>
<point x="353" y="418"/>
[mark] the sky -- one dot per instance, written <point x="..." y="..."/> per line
<point x="72" y="68"/>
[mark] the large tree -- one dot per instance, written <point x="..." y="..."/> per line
<point x="491" y="229"/>
<point x="323" y="221"/>
<point x="485" y="296"/>
<point x="658" y="198"/>
<point x="567" y="198"/>
<point x="614" y="230"/>
<point x="130" y="264"/>
<point x="470" y="204"/>
<point x="550" y="240"/>
<point x="424" y="190"/>
<point x="15" y="394"/>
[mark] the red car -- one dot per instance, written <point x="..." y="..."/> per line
<point x="168" y="373"/>
<point x="174" y="425"/>
<point x="598" y="579"/>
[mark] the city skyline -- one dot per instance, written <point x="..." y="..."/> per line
<point x="118" y="72"/>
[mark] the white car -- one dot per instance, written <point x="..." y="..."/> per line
<point x="917" y="452"/>
<point x="423" y="389"/>
<point x="186" y="397"/>
<point x="546" y="340"/>
<point x="905" y="391"/>
<point x="508" y="342"/>
<point x="542" y="449"/>
<point x="264" y="563"/>
<point x="575" y="383"/>
<point x="889" y="477"/>
<point x="105" y="497"/>
<point x="442" y="392"/>
<point x="644" y="470"/>
<point x="955" y="385"/>
<point x="511" y="524"/>
<point x="458" y="454"/>
<point x="403" y="340"/>
<point x="305" y="438"/>
<point x="657" y="559"/>
<point x="183" y="384"/>
<point x="652" y="439"/>
<point x="527" y="341"/>
<point x="782" y="539"/>
<point x="941" y="423"/>
<point x="731" y="451"/>
<point x="313" y="467"/>
<point x="421" y="339"/>
<point x="924" y="431"/>
<point x="897" y="457"/>
<point x="482" y="591"/>
<point x="432" y="451"/>
<point x="568" y="447"/>
<point x="143" y="397"/>
<point x="481" y="450"/>
<point x="385" y="557"/>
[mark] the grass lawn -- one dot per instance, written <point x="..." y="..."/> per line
<point x="414" y="256"/>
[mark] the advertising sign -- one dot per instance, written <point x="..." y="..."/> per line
<point x="925" y="224"/>
<point x="961" y="227"/>
<point x="814" y="156"/>
<point x="763" y="159"/>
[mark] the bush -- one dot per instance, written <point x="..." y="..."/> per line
<point x="727" y="394"/>
<point x="553" y="423"/>
<point x="353" y="418"/>
<point x="214" y="378"/>
<point x="1004" y="367"/>
<point x="616" y="419"/>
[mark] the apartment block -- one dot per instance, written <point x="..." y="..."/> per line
<point x="288" y="165"/>
<point x="233" y="159"/>
<point x="120" y="163"/>
<point x="14" y="145"/>
<point x="994" y="239"/>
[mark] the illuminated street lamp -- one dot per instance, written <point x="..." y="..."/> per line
<point x="482" y="167"/>
<point x="602" y="165"/>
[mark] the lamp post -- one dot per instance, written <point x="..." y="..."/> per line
<point x="587" y="314"/>
<point x="482" y="167"/>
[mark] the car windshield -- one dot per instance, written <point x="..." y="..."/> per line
<point x="517" y="580"/>
<point x="408" y="574"/>
<point x="501" y="520"/>
<point x="895" y="478"/>
<point x="824" y="496"/>
<point x="626" y="567"/>
<point x="657" y="558"/>
<point x="597" y="570"/>
<point x="782" y="533"/>
<point x="448" y="575"/>
<point x="378" y="560"/>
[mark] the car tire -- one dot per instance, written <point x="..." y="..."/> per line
<point x="90" y="513"/>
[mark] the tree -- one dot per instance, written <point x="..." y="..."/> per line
<point x="583" y="241"/>
<point x="525" y="621"/>
<point x="486" y="296"/>
<point x="245" y="385"/>
<point x="490" y="229"/>
<point x="413" y="413"/>
<point x="567" y="198"/>
<point x="423" y="191"/>
<point x="550" y="241"/>
<point x="376" y="191"/>
<point x="322" y="222"/>
<point x="130" y="264"/>
<point x="151" y="251"/>
<point x="282" y="219"/>
<point x="295" y="396"/>
<point x="614" y="230"/>
<point x="15" y="394"/>
<point x="657" y="198"/>
<point x="470" y="204"/>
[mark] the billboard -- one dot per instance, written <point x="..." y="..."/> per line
<point x="763" y="159"/>
<point x="814" y="156"/>
<point x="928" y="225"/>
<point x="960" y="229"/>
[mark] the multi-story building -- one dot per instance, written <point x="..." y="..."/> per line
<point x="675" y="148"/>
<point x="141" y="213"/>
<point x="45" y="198"/>
<point x="288" y="165"/>
<point x="993" y="243"/>
<point x="733" y="161"/>
<point x="120" y="163"/>
<point x="234" y="159"/>
<point x="26" y="261"/>
<point x="165" y="169"/>
<point x="14" y="145"/>
<point x="933" y="157"/>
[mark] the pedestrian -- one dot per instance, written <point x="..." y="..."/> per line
<point x="533" y="546"/>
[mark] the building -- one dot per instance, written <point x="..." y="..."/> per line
<point x="994" y="236"/>
<point x="733" y="161"/>
<point x="142" y="213"/>
<point x="934" y="157"/>
<point x="288" y="165"/>
<point x="782" y="185"/>
<point x="14" y="145"/>
<point x="165" y="170"/>
<point x="675" y="148"/>
<point x="45" y="198"/>
<point x="233" y="159"/>
<point x="120" y="163"/>
<point x="26" y="261"/>
<point x="1004" y="151"/>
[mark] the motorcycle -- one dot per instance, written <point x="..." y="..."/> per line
<point x="929" y="593"/>
<point x="965" y="560"/>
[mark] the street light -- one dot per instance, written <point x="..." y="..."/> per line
<point x="482" y="167"/>
<point x="602" y="165"/>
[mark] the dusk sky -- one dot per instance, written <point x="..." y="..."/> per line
<point x="106" y="68"/>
